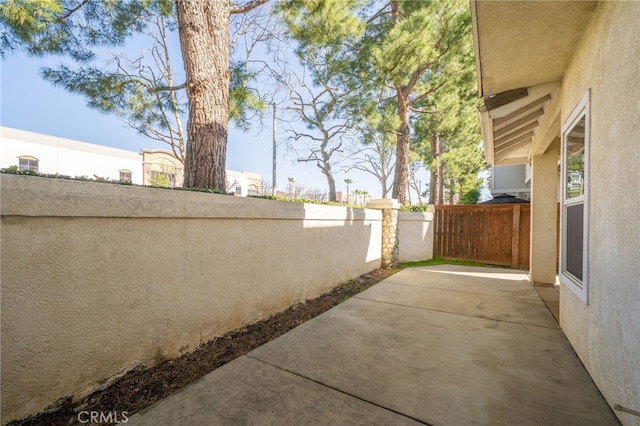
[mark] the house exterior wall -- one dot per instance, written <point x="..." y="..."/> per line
<point x="68" y="157"/>
<point x="100" y="278"/>
<point x="606" y="332"/>
<point x="544" y="216"/>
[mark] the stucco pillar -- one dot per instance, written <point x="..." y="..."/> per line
<point x="390" y="239"/>
<point x="544" y="215"/>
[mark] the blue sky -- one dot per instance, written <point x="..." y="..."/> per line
<point x="28" y="102"/>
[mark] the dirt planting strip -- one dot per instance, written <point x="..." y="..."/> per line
<point x="142" y="386"/>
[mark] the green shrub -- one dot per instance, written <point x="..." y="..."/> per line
<point x="303" y="200"/>
<point x="415" y="208"/>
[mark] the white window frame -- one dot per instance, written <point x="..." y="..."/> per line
<point x="126" y="171"/>
<point x="579" y="287"/>
<point x="29" y="159"/>
<point x="253" y="189"/>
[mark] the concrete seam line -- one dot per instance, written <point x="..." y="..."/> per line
<point x="454" y="313"/>
<point x="619" y="407"/>
<point x="339" y="390"/>
<point x="388" y="281"/>
<point x="546" y="305"/>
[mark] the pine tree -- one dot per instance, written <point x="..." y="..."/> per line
<point x="76" y="28"/>
<point x="401" y="45"/>
<point x="448" y="138"/>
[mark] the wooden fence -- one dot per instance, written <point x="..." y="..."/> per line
<point x="495" y="234"/>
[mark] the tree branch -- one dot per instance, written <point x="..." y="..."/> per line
<point x="169" y="88"/>
<point x="243" y="8"/>
<point x="423" y="111"/>
<point x="426" y="93"/>
<point x="379" y="13"/>
<point x="416" y="75"/>
<point x="72" y="11"/>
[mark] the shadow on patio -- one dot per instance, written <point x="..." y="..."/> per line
<point x="446" y="345"/>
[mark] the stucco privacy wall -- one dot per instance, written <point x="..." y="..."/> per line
<point x="416" y="236"/>
<point x="99" y="278"/>
<point x="606" y="333"/>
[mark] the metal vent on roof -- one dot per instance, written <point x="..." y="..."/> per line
<point x="500" y="99"/>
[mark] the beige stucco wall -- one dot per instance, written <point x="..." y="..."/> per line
<point x="99" y="278"/>
<point x="544" y="214"/>
<point x="606" y="333"/>
<point x="415" y="236"/>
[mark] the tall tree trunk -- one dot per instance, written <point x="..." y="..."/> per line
<point x="332" y="188"/>
<point x="383" y="185"/>
<point x="384" y="170"/>
<point x="451" y="193"/>
<point x="401" y="175"/>
<point x="326" y="169"/>
<point x="436" y="184"/>
<point x="326" y="165"/>
<point x="440" y="171"/>
<point x="203" y="27"/>
<point x="418" y="188"/>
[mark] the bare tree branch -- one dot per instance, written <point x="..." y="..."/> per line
<point x="243" y="8"/>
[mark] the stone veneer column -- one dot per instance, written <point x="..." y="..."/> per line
<point x="390" y="209"/>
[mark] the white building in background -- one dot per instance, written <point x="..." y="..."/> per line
<point x="51" y="155"/>
<point x="244" y="183"/>
<point x="54" y="155"/>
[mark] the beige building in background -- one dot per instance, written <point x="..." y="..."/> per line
<point x="561" y="87"/>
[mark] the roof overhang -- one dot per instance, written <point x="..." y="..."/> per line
<point x="522" y="51"/>
<point x="509" y="127"/>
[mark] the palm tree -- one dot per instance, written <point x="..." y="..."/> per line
<point x="348" y="182"/>
<point x="290" y="186"/>
<point x="357" y="192"/>
<point x="364" y="197"/>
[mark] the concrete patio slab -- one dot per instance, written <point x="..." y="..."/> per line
<point x="250" y="392"/>
<point x="388" y="351"/>
<point x="475" y="280"/>
<point x="500" y="307"/>
<point x="443" y="368"/>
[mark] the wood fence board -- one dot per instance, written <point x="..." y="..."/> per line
<point x="493" y="234"/>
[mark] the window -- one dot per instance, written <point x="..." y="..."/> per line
<point x="163" y="173"/>
<point x="253" y="190"/>
<point x="26" y="162"/>
<point x="575" y="206"/>
<point x="125" y="175"/>
<point x="238" y="190"/>
<point x="162" y="179"/>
